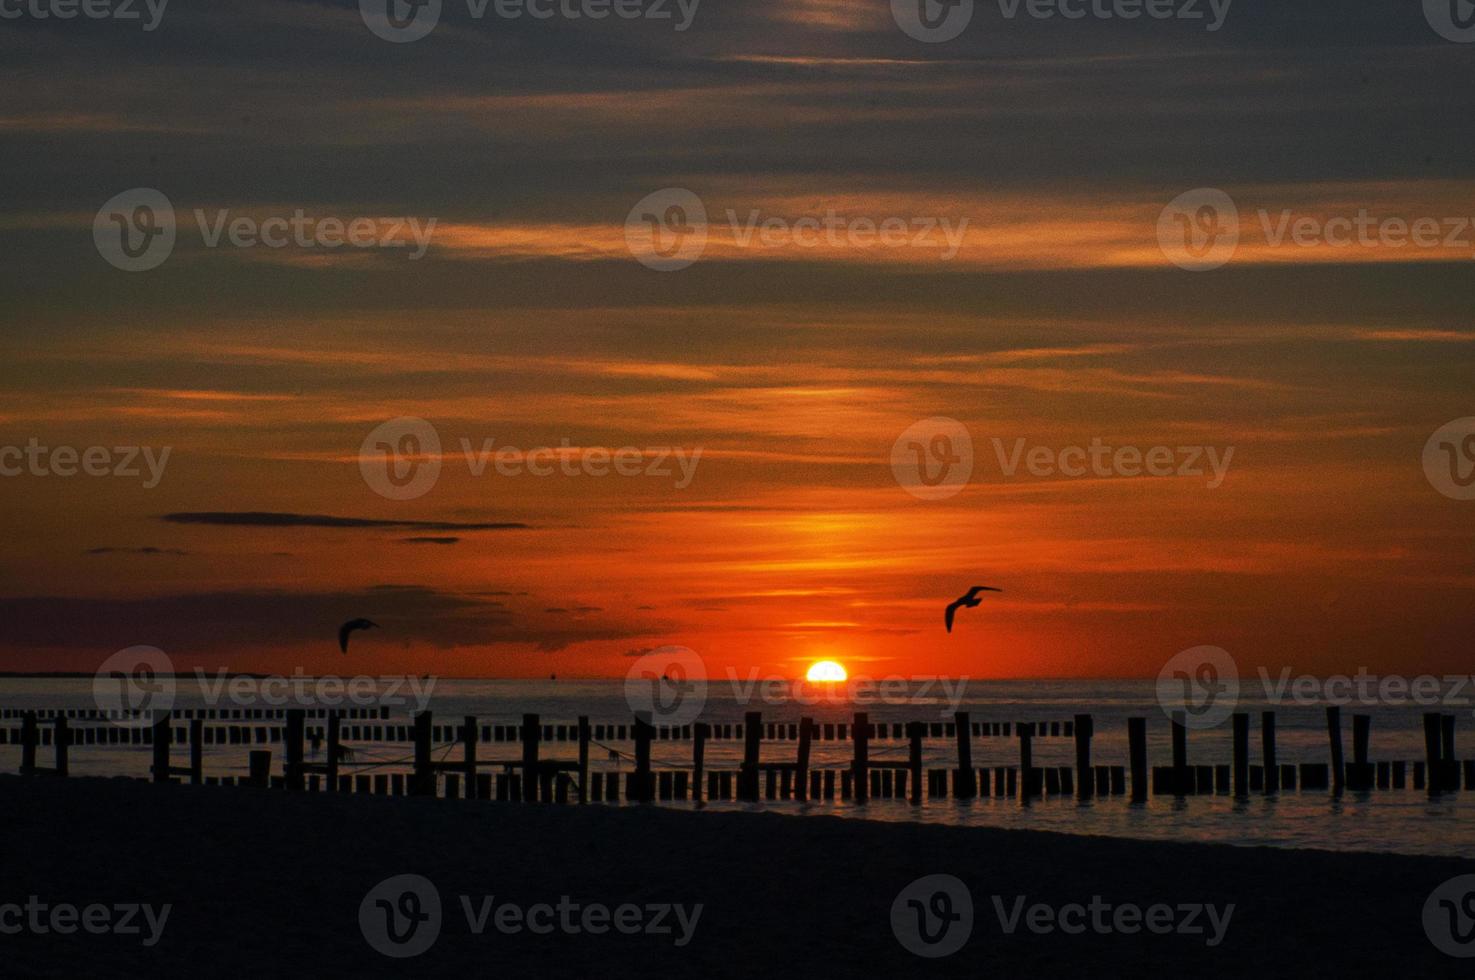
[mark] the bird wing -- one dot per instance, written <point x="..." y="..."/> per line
<point x="952" y="610"/>
<point x="343" y="632"/>
<point x="982" y="588"/>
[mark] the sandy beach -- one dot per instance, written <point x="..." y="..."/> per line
<point x="268" y="883"/>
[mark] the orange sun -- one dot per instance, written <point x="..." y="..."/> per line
<point x="825" y="671"/>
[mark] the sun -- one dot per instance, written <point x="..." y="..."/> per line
<point x="826" y="671"/>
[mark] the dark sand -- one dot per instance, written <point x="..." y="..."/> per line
<point x="269" y="884"/>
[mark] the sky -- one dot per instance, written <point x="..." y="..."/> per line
<point x="782" y="367"/>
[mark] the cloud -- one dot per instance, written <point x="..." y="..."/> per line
<point x="429" y="540"/>
<point x="251" y="518"/>
<point x="147" y="550"/>
<point x="215" y="623"/>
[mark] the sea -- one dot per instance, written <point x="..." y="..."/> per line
<point x="1405" y="821"/>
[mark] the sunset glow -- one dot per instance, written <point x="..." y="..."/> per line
<point x="826" y="671"/>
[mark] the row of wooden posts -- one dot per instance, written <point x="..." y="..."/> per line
<point x="528" y="776"/>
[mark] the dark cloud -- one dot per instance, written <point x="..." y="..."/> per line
<point x="223" y="622"/>
<point x="429" y="540"/>
<point x="147" y="550"/>
<point x="251" y="518"/>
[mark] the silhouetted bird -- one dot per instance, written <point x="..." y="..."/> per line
<point x="351" y="626"/>
<point x="970" y="600"/>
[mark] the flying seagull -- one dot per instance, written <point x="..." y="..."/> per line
<point x="349" y="627"/>
<point x="970" y="600"/>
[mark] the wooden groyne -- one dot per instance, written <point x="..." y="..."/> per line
<point x="506" y="761"/>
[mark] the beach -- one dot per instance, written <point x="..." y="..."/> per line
<point x="269" y="883"/>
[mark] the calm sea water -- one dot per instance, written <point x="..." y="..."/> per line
<point x="1405" y="821"/>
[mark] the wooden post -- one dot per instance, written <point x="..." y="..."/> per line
<point x="641" y="787"/>
<point x="699" y="734"/>
<point x="61" y="740"/>
<point x="1449" y="774"/>
<point x="29" y="736"/>
<point x="1334" y="736"/>
<point x="1431" y="751"/>
<point x="1137" y="755"/>
<point x="583" y="758"/>
<point x="1182" y="775"/>
<point x="334" y="731"/>
<point x="1084" y="729"/>
<point x="196" y="751"/>
<point x="1360" y="773"/>
<point x="915" y="731"/>
<point x="163" y="736"/>
<point x="801" y="763"/>
<point x="1267" y="740"/>
<point x="1241" y="754"/>
<point x="1026" y="730"/>
<point x="531" y="731"/>
<point x="260" y="762"/>
<point x="752" y="745"/>
<point x="965" y="781"/>
<point x="423" y="783"/>
<point x="469" y="735"/>
<point x="861" y="734"/>
<point x="292" y="751"/>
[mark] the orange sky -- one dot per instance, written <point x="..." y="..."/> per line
<point x="791" y="368"/>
